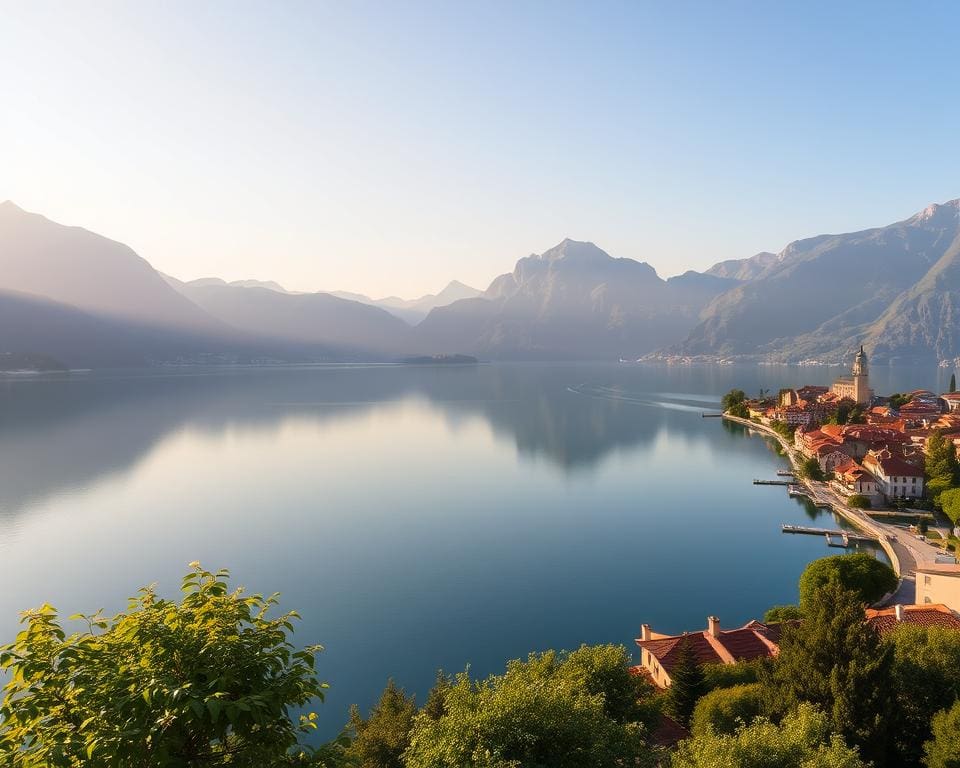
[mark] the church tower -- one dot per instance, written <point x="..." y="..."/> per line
<point x="861" y="378"/>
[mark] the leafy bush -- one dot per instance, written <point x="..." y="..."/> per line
<point x="781" y="613"/>
<point x="732" y="398"/>
<point x="943" y="748"/>
<point x="724" y="709"/>
<point x="802" y="740"/>
<point x="869" y="578"/>
<point x="859" y="501"/>
<point x="563" y="711"/>
<point x="810" y="469"/>
<point x="209" y="680"/>
<point x="950" y="502"/>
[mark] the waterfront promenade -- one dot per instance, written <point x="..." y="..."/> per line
<point x="905" y="551"/>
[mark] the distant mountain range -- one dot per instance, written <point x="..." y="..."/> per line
<point x="74" y="296"/>
<point x="893" y="289"/>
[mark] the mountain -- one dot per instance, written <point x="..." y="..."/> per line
<point x="891" y="288"/>
<point x="37" y="326"/>
<point x="744" y="269"/>
<point x="303" y="318"/>
<point x="73" y="266"/>
<point x="414" y="310"/>
<point x="574" y="301"/>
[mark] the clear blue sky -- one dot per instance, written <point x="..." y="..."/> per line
<point x="390" y="147"/>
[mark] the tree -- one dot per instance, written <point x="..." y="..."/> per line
<point x="950" y="503"/>
<point x="436" y="705"/>
<point x="810" y="469"/>
<point x="941" y="466"/>
<point x="732" y="398"/>
<point x="558" y="710"/>
<point x="687" y="684"/>
<point x="869" y="578"/>
<point x="209" y="680"/>
<point x="926" y="678"/>
<point x="381" y="739"/>
<point x="943" y="750"/>
<point x="858" y="501"/>
<point x="781" y="613"/>
<point x="953" y="382"/>
<point x="834" y="660"/>
<point x="802" y="740"/>
<point x="724" y="709"/>
<point x="898" y="400"/>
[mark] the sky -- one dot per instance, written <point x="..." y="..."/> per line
<point x="387" y="148"/>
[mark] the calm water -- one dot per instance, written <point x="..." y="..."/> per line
<point x="416" y="517"/>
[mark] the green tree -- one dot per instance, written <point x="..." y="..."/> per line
<point x="206" y="681"/>
<point x="926" y="679"/>
<point x="810" y="469"/>
<point x="898" y="400"/>
<point x="950" y="503"/>
<point x="550" y="710"/>
<point x="780" y="613"/>
<point x="858" y="501"/>
<point x="802" y="740"/>
<point x="835" y="660"/>
<point x="687" y="684"/>
<point x="436" y="705"/>
<point x="381" y="739"/>
<point x="732" y="398"/>
<point x="724" y="709"/>
<point x="941" y="466"/>
<point x="868" y="577"/>
<point x="943" y="750"/>
<point x="953" y="382"/>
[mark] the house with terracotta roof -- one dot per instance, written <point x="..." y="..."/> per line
<point x="754" y="640"/>
<point x="850" y="478"/>
<point x="896" y="477"/>
<point x="939" y="583"/>
<point x="952" y="399"/>
<point x="929" y="615"/>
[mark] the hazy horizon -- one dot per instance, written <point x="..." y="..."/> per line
<point x="386" y="149"/>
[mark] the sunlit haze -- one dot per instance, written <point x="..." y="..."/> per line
<point x="387" y="148"/>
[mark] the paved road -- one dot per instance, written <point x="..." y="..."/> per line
<point x="909" y="551"/>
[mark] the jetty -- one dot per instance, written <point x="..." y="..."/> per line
<point x="830" y="533"/>
<point x="785" y="473"/>
<point x="711" y="415"/>
<point x="772" y="482"/>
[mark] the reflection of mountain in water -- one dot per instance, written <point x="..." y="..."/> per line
<point x="57" y="435"/>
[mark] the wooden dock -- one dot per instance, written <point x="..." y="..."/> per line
<point x="785" y="473"/>
<point x="711" y="415"/>
<point x="772" y="482"/>
<point x="829" y="532"/>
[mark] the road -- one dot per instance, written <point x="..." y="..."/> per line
<point x="905" y="551"/>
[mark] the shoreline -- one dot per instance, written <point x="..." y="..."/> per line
<point x="904" y="558"/>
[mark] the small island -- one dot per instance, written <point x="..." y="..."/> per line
<point x="440" y="360"/>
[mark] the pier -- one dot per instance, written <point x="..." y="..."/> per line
<point x="772" y="482"/>
<point x="785" y="473"/>
<point x="830" y="533"/>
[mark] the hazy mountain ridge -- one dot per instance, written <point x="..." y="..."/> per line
<point x="574" y="301"/>
<point x="825" y="295"/>
<point x="414" y="310"/>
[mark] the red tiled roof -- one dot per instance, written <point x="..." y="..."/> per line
<point x="741" y="644"/>
<point x="935" y="615"/>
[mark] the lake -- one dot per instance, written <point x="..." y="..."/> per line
<point x="417" y="517"/>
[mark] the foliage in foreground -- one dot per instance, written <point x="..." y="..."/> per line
<point x="209" y="681"/>
<point x="564" y="711"/>
<point x="802" y="740"/>
<point x="687" y="684"/>
<point x="943" y="750"/>
<point x="781" y="613"/>
<point x="941" y="466"/>
<point x="861" y="573"/>
<point x="724" y="709"/>
<point x="380" y="740"/>
<point x="834" y="660"/>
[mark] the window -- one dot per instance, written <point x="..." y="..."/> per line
<point x="926" y="581"/>
<point x="926" y="600"/>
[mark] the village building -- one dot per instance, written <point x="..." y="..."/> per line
<point x="896" y="477"/>
<point x="756" y="640"/>
<point x="857" y="385"/>
<point x="851" y="478"/>
<point x="939" y="584"/>
<point x="713" y="645"/>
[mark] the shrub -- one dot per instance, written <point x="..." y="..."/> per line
<point x="724" y="709"/>
<point x="869" y="578"/>
<point x="859" y="501"/>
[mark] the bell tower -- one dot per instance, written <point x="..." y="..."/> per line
<point x="861" y="378"/>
